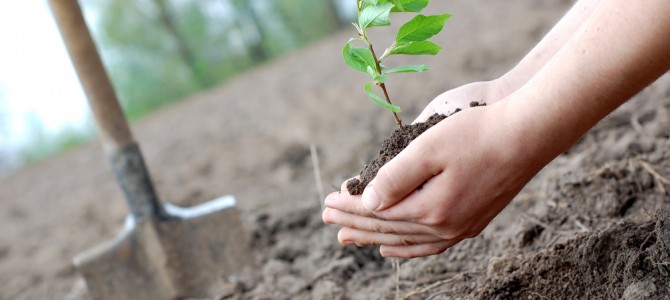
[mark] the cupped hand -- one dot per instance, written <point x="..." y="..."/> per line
<point x="446" y="186"/>
<point x="483" y="92"/>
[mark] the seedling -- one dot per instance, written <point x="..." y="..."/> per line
<point x="411" y="39"/>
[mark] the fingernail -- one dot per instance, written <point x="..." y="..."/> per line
<point x="347" y="243"/>
<point x="370" y="200"/>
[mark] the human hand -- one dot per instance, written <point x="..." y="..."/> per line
<point x="446" y="186"/>
<point x="447" y="103"/>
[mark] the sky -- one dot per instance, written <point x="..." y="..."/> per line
<point x="38" y="84"/>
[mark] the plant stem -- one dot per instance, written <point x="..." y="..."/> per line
<point x="383" y="86"/>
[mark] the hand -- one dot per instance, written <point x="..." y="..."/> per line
<point x="444" y="187"/>
<point x="487" y="92"/>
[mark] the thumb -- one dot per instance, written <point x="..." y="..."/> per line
<point x="400" y="177"/>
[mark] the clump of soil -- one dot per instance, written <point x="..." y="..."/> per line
<point x="625" y="261"/>
<point x="399" y="140"/>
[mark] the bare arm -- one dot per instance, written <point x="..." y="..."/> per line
<point x="555" y="39"/>
<point x="495" y="90"/>
<point x="622" y="48"/>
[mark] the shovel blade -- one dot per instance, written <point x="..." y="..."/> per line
<point x="188" y="255"/>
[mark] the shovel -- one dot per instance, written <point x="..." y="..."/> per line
<point x="164" y="251"/>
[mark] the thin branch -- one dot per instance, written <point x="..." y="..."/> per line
<point x="383" y="86"/>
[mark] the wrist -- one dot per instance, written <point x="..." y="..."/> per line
<point x="543" y="129"/>
<point x="511" y="81"/>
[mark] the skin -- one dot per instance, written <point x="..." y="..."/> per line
<point x="471" y="165"/>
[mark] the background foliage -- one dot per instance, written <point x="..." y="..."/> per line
<point x="159" y="51"/>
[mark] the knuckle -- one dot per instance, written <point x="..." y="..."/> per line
<point x="406" y="242"/>
<point x="426" y="164"/>
<point x="369" y="214"/>
<point x="369" y="241"/>
<point x="433" y="220"/>
<point x="375" y="225"/>
<point x="383" y="228"/>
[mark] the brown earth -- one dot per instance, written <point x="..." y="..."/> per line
<point x="588" y="226"/>
<point x="391" y="146"/>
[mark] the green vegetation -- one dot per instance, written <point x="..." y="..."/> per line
<point x="411" y="39"/>
<point x="159" y="51"/>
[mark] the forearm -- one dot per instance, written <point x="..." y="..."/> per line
<point x="618" y="51"/>
<point x="552" y="42"/>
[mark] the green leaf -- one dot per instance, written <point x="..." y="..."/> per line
<point x="375" y="15"/>
<point x="380" y="78"/>
<point x="407" y="69"/>
<point x="357" y="58"/>
<point x="421" y="28"/>
<point x="416" y="48"/>
<point x="409" y="5"/>
<point x="372" y="2"/>
<point x="397" y="6"/>
<point x="379" y="100"/>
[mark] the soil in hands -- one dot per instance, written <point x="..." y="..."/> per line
<point x="398" y="141"/>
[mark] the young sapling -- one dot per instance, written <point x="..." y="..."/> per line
<point x="411" y="39"/>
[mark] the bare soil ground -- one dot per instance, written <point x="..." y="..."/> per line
<point x="591" y="225"/>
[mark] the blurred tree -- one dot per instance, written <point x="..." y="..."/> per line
<point x="248" y="16"/>
<point x="167" y="20"/>
<point x="143" y="59"/>
<point x="158" y="51"/>
<point x="295" y="14"/>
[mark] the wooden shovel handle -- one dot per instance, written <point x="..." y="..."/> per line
<point x="112" y="126"/>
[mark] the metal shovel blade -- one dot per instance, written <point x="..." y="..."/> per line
<point x="186" y="255"/>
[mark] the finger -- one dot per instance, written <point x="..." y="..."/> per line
<point x="334" y="216"/>
<point x="441" y="105"/>
<point x="418" y="207"/>
<point x="347" y="236"/>
<point x="347" y="203"/>
<point x="413" y="251"/>
<point x="425" y="114"/>
<point x="402" y="175"/>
